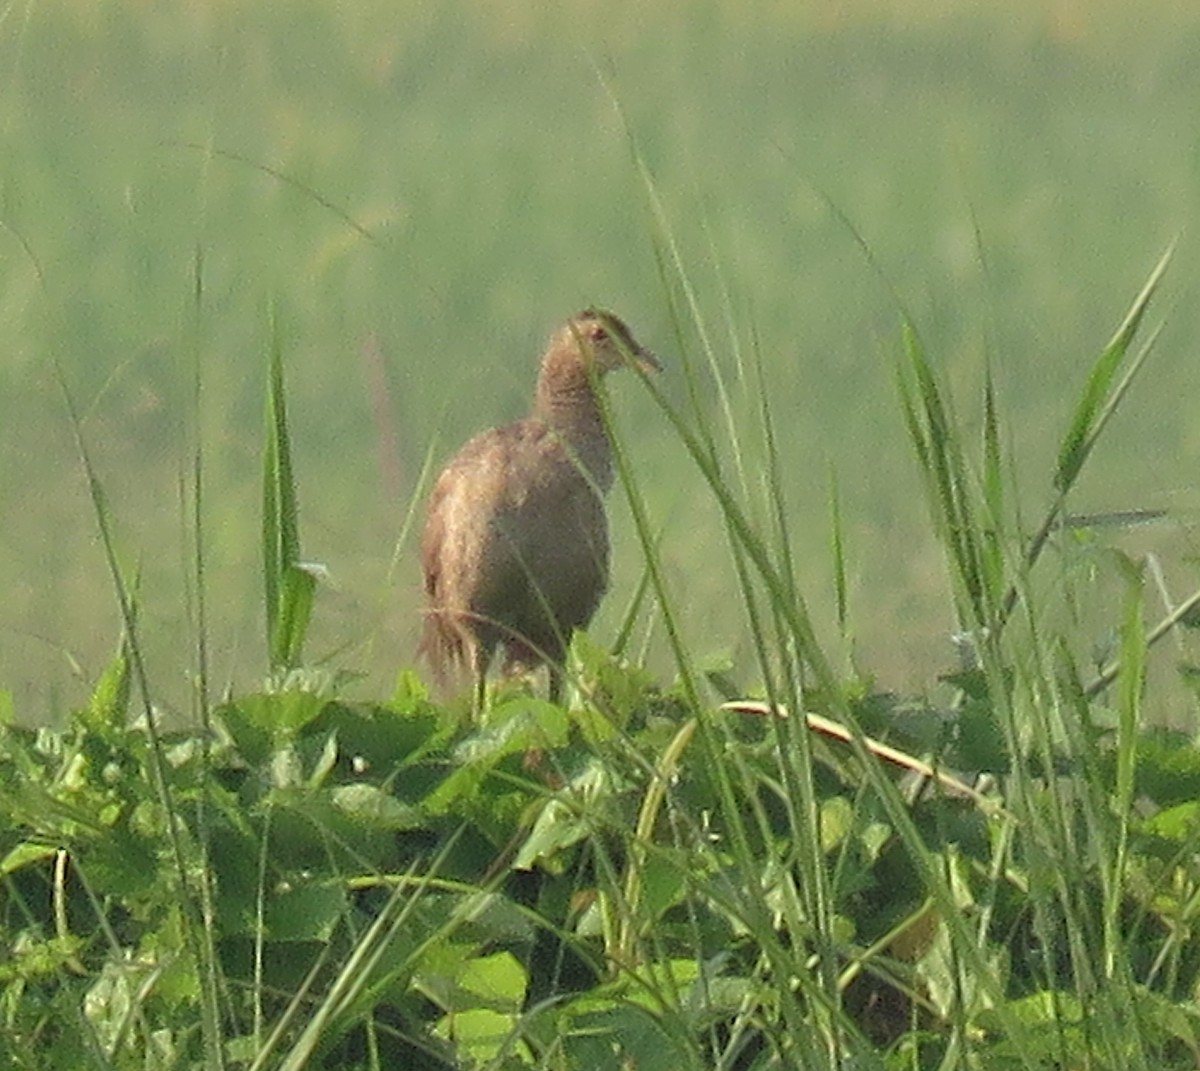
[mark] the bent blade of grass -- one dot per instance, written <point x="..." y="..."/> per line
<point x="213" y="152"/>
<point x="954" y="785"/>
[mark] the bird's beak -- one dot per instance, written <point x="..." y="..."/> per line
<point x="645" y="360"/>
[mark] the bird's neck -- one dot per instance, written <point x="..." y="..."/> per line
<point x="567" y="404"/>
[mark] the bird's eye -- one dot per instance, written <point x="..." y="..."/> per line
<point x="597" y="333"/>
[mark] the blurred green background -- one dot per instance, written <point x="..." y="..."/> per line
<point x="485" y="150"/>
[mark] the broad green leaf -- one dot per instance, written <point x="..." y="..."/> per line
<point x="306" y="912"/>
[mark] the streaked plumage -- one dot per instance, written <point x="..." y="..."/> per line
<point x="515" y="549"/>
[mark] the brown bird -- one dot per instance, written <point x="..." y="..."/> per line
<point x="515" y="549"/>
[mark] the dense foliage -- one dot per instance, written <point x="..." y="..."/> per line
<point x="618" y="885"/>
<point x="1003" y="875"/>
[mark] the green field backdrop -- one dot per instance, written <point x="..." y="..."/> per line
<point x="417" y="192"/>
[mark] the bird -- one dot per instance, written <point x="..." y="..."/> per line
<point x="515" y="549"/>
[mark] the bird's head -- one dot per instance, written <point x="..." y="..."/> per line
<point x="603" y="341"/>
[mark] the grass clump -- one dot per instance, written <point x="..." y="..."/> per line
<point x="1000" y="874"/>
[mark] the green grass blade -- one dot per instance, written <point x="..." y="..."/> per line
<point x="1130" y="685"/>
<point x="288" y="587"/>
<point x="195" y="517"/>
<point x="295" y="610"/>
<point x="1099" y="403"/>
<point x="838" y="548"/>
<point x="991" y="538"/>
<point x="993" y="470"/>
<point x="935" y="437"/>
<point x="1089" y="415"/>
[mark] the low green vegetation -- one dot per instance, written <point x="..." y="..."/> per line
<point x="998" y="874"/>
